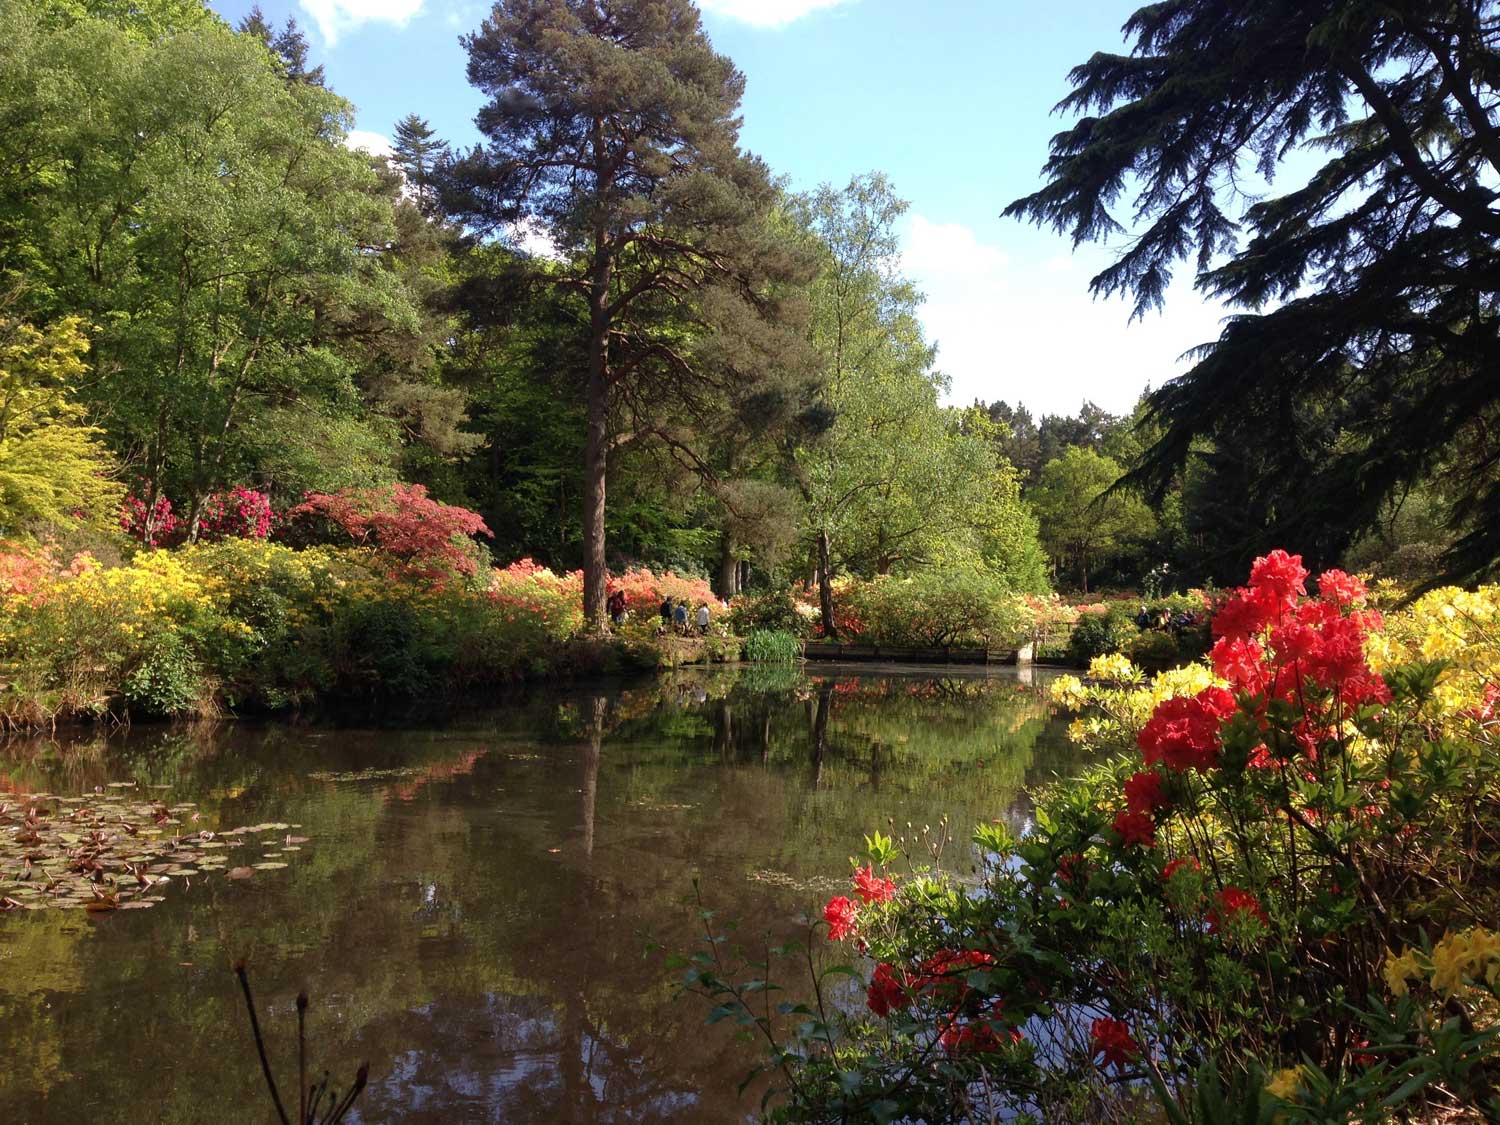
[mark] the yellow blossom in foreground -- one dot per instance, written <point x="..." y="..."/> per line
<point x="1398" y="970"/>
<point x="1114" y="668"/>
<point x="1286" y="1085"/>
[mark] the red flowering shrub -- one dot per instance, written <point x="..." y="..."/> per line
<point x="1233" y="907"/>
<point x="1224" y="884"/>
<point x="424" y="537"/>
<point x="871" y="887"/>
<point x="842" y="916"/>
<point x="1135" y="829"/>
<point x="1143" y="792"/>
<point x="889" y="991"/>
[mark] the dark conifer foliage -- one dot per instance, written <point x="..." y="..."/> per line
<point x="1372" y="281"/>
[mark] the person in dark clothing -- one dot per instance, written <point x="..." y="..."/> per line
<point x="680" y="617"/>
<point x="666" y="613"/>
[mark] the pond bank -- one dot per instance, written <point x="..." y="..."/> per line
<point x="514" y="862"/>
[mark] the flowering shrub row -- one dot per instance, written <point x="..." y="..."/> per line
<point x="1274" y="897"/>
<point x="246" y="623"/>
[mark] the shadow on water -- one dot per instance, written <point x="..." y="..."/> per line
<point x="475" y="895"/>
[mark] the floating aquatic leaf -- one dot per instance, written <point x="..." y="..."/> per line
<point x="269" y="866"/>
<point x="241" y="872"/>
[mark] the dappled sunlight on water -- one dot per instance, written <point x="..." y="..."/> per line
<point x="472" y="906"/>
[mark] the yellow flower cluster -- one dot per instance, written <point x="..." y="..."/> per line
<point x="1460" y="627"/>
<point x="1117" y="700"/>
<point x="1472" y="955"/>
<point x="1286" y="1085"/>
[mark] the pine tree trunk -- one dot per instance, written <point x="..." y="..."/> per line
<point x="596" y="451"/>
<point x="825" y="585"/>
<point x="595" y="467"/>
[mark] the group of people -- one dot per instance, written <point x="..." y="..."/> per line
<point x="676" y="617"/>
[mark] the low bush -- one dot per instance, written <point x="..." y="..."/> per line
<point x="771" y="610"/>
<point x="1099" y="634"/>
<point x="959" y="607"/>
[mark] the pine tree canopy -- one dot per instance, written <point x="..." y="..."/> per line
<point x="1366" y="284"/>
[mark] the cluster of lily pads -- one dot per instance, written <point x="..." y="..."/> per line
<point x="108" y="852"/>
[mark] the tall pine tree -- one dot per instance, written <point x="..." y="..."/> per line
<point x="612" y="128"/>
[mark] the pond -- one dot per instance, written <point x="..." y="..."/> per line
<point x="473" y="903"/>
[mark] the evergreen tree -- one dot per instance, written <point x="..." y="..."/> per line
<point x="1370" y="279"/>
<point x="612" y="129"/>
<point x="419" y="152"/>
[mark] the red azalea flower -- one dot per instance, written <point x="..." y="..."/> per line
<point x="1186" y="862"/>
<point x="1072" y="870"/>
<point x="1340" y="588"/>
<point x="979" y="1037"/>
<point x="1279" y="576"/>
<point x="1240" y="661"/>
<point x="1135" y="829"/>
<point x="871" y="887"/>
<point x="1184" y="733"/>
<point x="841" y="914"/>
<point x="1112" y="1039"/>
<point x="1143" y="792"/>
<point x="890" y="990"/>
<point x="1233" y="904"/>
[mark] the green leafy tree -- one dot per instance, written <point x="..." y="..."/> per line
<point x="612" y="129"/>
<point x="204" y="213"/>
<point x="53" y="467"/>
<point x="1364" y="273"/>
<point x="1083" y="519"/>
<point x="896" y="480"/>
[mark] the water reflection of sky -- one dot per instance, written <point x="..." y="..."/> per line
<point x="473" y="907"/>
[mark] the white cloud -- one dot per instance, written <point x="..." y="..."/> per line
<point x="1027" y="330"/>
<point x="334" y="17"/>
<point x="376" y="144"/>
<point x="766" y="13"/>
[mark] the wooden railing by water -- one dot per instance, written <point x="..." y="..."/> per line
<point x="905" y="654"/>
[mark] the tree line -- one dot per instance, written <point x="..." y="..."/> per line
<point x="619" y="337"/>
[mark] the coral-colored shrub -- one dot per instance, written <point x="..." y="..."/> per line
<point x="423" y="536"/>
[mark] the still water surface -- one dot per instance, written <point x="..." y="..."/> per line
<point x="473" y="907"/>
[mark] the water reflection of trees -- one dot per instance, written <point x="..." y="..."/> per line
<point x="471" y="915"/>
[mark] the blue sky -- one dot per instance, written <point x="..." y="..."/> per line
<point x="951" y="98"/>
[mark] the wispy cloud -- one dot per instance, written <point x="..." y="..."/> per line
<point x="1010" y="327"/>
<point x="334" y="17"/>
<point x="767" y="13"/>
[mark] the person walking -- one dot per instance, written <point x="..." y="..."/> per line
<point x="703" y="619"/>
<point x="666" y="614"/>
<point x="680" y="616"/>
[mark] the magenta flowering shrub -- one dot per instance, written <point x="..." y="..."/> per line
<point x="155" y="527"/>
<point x="239" y="513"/>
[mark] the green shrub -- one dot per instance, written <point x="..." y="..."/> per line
<point x="772" y="646"/>
<point x="771" y="611"/>
<point x="1153" y="649"/>
<point x="1099" y="634"/>
<point x="959" y="606"/>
